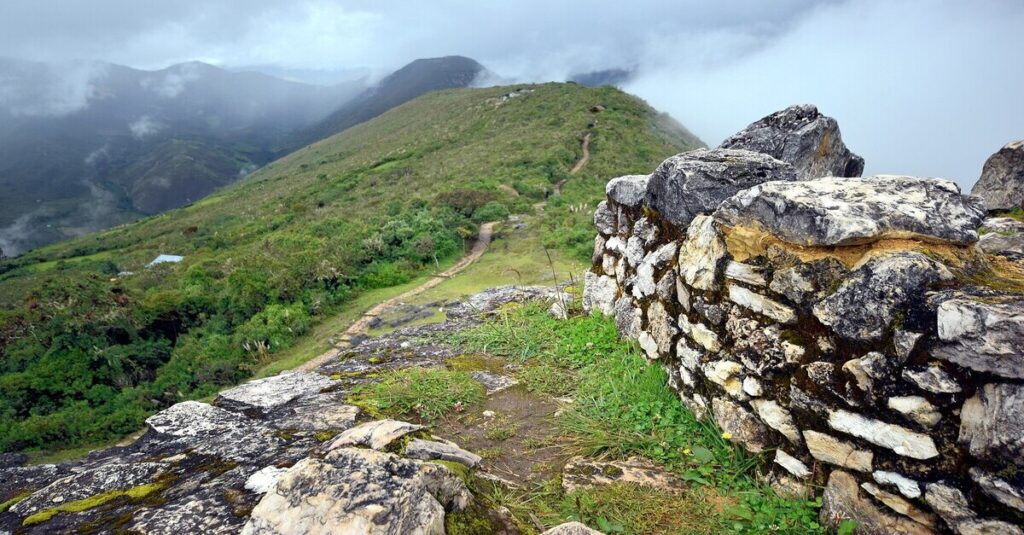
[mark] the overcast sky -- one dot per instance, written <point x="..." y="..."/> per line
<point x="926" y="87"/>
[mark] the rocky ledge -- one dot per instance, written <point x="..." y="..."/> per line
<point x="857" y="328"/>
<point x="284" y="454"/>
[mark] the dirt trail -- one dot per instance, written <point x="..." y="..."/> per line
<point x="586" y="155"/>
<point x="557" y="190"/>
<point x="363" y="323"/>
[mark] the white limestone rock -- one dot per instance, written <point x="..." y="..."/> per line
<point x="829" y="449"/>
<point x="906" y="486"/>
<point x="605" y="219"/>
<point x="264" y="480"/>
<point x="700" y="334"/>
<point x="627" y="190"/>
<point x="999" y="489"/>
<point x="746" y="273"/>
<point x="701" y="254"/>
<point x="1001" y="184"/>
<point x="917" y="409"/>
<point x="432" y="450"/>
<point x="896" y="438"/>
<point x="760" y="304"/>
<point x="377" y="434"/>
<point x="654" y="261"/>
<point x="835" y="211"/>
<point x="900" y="505"/>
<point x="932" y="379"/>
<point x="739" y="422"/>
<point x="260" y="396"/>
<point x="986" y="336"/>
<point x="725" y="373"/>
<point x="992" y="423"/>
<point x="362" y="491"/>
<point x="792" y="465"/>
<point x="778" y="418"/>
<point x="599" y="293"/>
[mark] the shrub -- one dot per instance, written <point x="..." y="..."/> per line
<point x="492" y="211"/>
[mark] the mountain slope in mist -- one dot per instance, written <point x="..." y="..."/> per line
<point x="88" y="145"/>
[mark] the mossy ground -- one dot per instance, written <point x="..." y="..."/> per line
<point x="76" y="506"/>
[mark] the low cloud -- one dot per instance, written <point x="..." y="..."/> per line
<point x="49" y="90"/>
<point x="171" y="84"/>
<point x="144" y="127"/>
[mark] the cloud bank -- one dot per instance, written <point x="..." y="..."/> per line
<point x="926" y="87"/>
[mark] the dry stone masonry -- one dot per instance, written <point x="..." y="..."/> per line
<point x="852" y="325"/>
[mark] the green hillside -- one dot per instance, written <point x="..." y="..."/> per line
<point x="89" y="351"/>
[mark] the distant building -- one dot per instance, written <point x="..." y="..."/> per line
<point x="164" y="258"/>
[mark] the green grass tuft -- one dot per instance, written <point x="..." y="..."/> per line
<point x="76" y="506"/>
<point x="427" y="393"/>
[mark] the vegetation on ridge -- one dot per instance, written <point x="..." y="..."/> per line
<point x="92" y="341"/>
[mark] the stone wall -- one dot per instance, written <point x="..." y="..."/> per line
<point x="847" y="326"/>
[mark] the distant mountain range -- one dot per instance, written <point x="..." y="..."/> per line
<point x="89" y="145"/>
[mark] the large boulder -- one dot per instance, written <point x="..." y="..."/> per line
<point x="841" y="211"/>
<point x="802" y="136"/>
<point x="627" y="190"/>
<point x="1002" y="179"/>
<point x="359" y="491"/>
<point x="696" y="182"/>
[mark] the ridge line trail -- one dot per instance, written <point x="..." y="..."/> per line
<point x="479" y="248"/>
<point x="363" y="323"/>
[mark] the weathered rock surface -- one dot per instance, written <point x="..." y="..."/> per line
<point x="359" y="491"/>
<point x="986" y="336"/>
<point x="605" y="219"/>
<point x="808" y="282"/>
<point x="696" y="182"/>
<point x="899" y="439"/>
<point x="990" y="423"/>
<point x="377" y="435"/>
<point x="838" y="211"/>
<point x="803" y="137"/>
<point x="599" y="293"/>
<point x="259" y="397"/>
<point x="572" y="528"/>
<point x="829" y="449"/>
<point x="581" y="472"/>
<point x="628" y="190"/>
<point x="843" y="501"/>
<point x="1002" y="178"/>
<point x="701" y="254"/>
<point x="1002" y="236"/>
<point x="432" y="450"/>
<point x="951" y="504"/>
<point x="866" y="303"/>
<point x="489" y="300"/>
<point x="739" y="422"/>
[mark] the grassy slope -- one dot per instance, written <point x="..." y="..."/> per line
<point x="302" y="219"/>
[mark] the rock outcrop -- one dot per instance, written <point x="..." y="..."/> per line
<point x="1002" y="179"/>
<point x="838" y="321"/>
<point x="803" y="137"/>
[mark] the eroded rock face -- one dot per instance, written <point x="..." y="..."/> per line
<point x="1002" y="236"/>
<point x="261" y="396"/>
<point x="627" y="190"/>
<point x="837" y="211"/>
<point x="803" y="137"/>
<point x="986" y="336"/>
<point x="696" y="182"/>
<point x="599" y="293"/>
<point x="1002" y="179"/>
<point x="377" y="435"/>
<point x="359" y="491"/>
<point x="843" y="500"/>
<point x="866" y="303"/>
<point x="992" y="423"/>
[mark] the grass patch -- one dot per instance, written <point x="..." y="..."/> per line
<point x="623" y="407"/>
<point x="76" y="506"/>
<point x="426" y="393"/>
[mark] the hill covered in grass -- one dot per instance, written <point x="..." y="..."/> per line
<point x="92" y="341"/>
